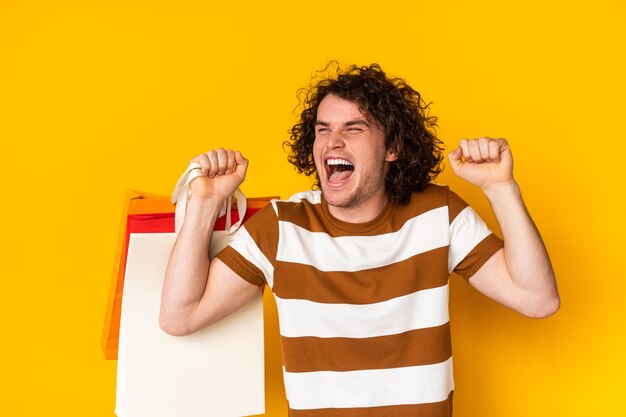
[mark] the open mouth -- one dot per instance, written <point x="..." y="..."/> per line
<point x="338" y="170"/>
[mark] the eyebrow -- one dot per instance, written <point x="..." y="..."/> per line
<point x="348" y="123"/>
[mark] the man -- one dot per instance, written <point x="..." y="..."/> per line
<point x="359" y="268"/>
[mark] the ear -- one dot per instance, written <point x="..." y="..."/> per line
<point x="391" y="156"/>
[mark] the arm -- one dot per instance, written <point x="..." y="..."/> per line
<point x="520" y="276"/>
<point x="197" y="291"/>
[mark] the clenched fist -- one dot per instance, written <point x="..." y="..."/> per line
<point x="483" y="162"/>
<point x="223" y="171"/>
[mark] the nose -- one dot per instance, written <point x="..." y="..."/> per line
<point x="335" y="140"/>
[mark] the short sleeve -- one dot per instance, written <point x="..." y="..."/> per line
<point x="471" y="241"/>
<point x="251" y="252"/>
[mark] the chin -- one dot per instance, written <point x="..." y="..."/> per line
<point x="338" y="199"/>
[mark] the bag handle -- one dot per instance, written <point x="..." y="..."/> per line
<point x="182" y="192"/>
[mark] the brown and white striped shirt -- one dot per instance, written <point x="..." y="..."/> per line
<point x="363" y="308"/>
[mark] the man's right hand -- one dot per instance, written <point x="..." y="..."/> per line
<point x="223" y="171"/>
<point x="198" y="291"/>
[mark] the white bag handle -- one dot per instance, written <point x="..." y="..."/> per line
<point x="181" y="195"/>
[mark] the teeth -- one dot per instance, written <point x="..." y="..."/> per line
<point x="338" y="162"/>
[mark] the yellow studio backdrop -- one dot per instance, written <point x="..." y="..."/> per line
<point x="100" y="96"/>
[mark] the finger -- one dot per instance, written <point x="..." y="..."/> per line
<point x="483" y="147"/>
<point x="474" y="151"/>
<point x="456" y="156"/>
<point x="464" y="144"/>
<point x="503" y="144"/>
<point x="242" y="165"/>
<point x="204" y="162"/>
<point x="230" y="164"/>
<point x="494" y="150"/>
<point x="222" y="161"/>
<point x="213" y="164"/>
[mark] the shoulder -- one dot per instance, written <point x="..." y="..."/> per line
<point x="299" y="200"/>
<point x="260" y="221"/>
<point x="434" y="197"/>
<point x="305" y="210"/>
<point x="300" y="204"/>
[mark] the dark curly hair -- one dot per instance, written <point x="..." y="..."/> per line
<point x="398" y="108"/>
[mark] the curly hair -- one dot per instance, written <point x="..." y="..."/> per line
<point x="398" y="108"/>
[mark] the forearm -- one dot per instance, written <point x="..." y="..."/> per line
<point x="188" y="268"/>
<point x="526" y="256"/>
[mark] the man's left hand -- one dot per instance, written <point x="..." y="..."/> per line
<point x="484" y="162"/>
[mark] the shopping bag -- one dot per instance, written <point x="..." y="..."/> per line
<point x="217" y="371"/>
<point x="143" y="203"/>
<point x="135" y="203"/>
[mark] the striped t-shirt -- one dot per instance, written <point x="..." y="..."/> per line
<point x="363" y="308"/>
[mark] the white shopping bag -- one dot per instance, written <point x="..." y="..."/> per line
<point x="216" y="372"/>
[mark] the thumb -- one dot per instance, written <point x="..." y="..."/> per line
<point x="455" y="157"/>
<point x="242" y="165"/>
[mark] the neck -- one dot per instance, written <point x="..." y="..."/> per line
<point x="359" y="213"/>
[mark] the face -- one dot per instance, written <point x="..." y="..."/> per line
<point x="351" y="160"/>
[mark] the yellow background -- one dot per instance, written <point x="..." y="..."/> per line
<point x="100" y="96"/>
